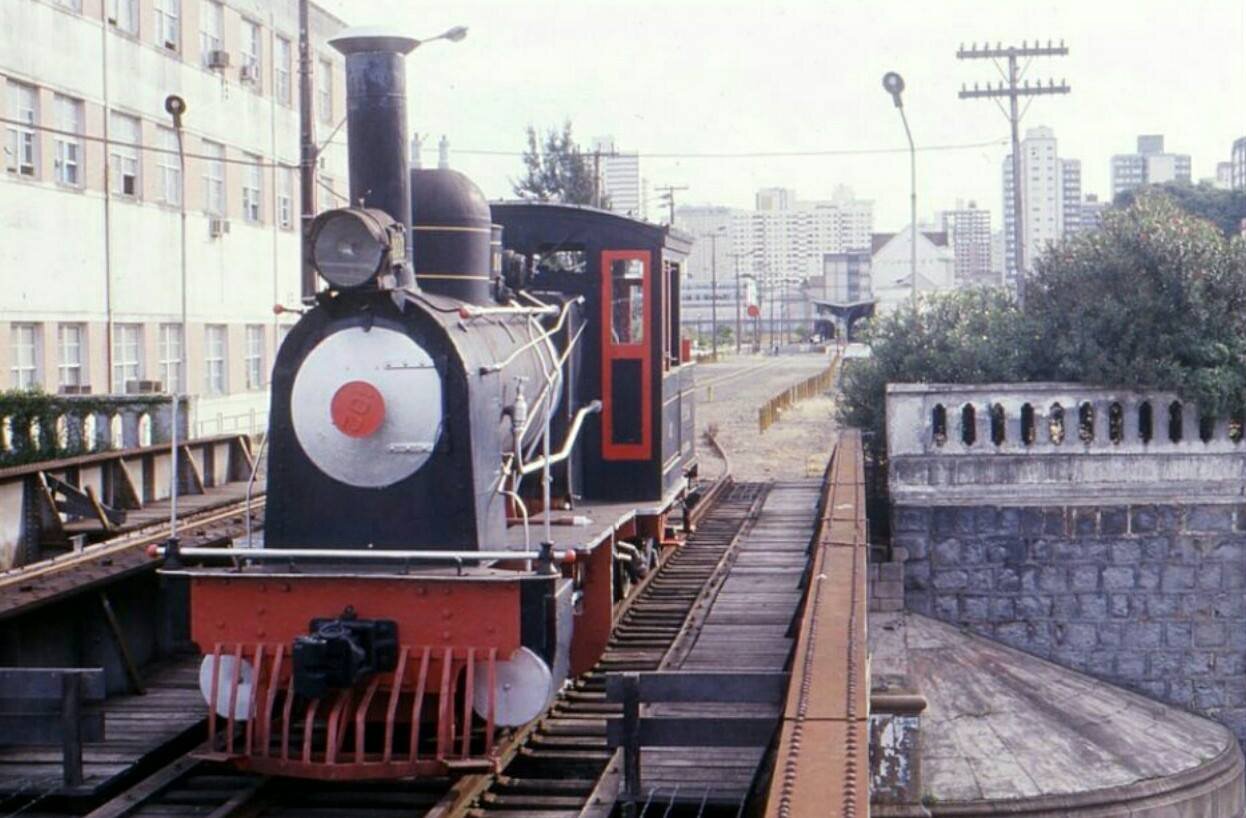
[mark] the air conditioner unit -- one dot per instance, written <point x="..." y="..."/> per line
<point x="81" y="389"/>
<point x="143" y="387"/>
<point x="217" y="227"/>
<point x="218" y="58"/>
<point x="249" y="73"/>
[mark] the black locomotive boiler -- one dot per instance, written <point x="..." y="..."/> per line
<point x="481" y="429"/>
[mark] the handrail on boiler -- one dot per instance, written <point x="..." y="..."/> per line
<point x="565" y="452"/>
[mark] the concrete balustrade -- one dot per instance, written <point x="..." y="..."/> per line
<point x="116" y="422"/>
<point x="1058" y="441"/>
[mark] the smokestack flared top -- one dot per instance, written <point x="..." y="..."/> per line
<point x="362" y="39"/>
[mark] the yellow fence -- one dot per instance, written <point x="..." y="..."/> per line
<point x="773" y="409"/>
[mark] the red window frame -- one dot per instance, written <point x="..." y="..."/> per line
<point x="614" y="351"/>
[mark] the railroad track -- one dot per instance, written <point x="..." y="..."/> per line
<point x="564" y="769"/>
<point x="553" y="768"/>
<point x="23" y="589"/>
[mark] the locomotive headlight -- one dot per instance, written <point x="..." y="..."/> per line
<point x="353" y="247"/>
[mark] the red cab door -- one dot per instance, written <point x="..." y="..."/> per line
<point x="626" y="342"/>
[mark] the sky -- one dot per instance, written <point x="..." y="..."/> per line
<point x="757" y="76"/>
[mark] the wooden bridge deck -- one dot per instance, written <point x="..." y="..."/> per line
<point x="747" y="628"/>
<point x="136" y="729"/>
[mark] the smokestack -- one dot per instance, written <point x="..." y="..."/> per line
<point x="376" y="121"/>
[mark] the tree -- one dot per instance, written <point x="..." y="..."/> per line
<point x="556" y="170"/>
<point x="1224" y="208"/>
<point x="964" y="336"/>
<point x="1154" y="300"/>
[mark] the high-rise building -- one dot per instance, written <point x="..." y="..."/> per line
<point x="1050" y="213"/>
<point x="969" y="233"/>
<point x="619" y="177"/>
<point x="702" y="222"/>
<point x="1237" y="172"/>
<point x="93" y="190"/>
<point x="1149" y="166"/>
<point x="1071" y="195"/>
<point x="1092" y="212"/>
<point x="1224" y="176"/>
<point x="786" y="238"/>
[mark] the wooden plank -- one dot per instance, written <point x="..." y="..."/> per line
<point x="679" y="731"/>
<point x="45" y="683"/>
<point x="702" y="687"/>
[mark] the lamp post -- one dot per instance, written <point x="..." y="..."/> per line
<point x="713" y="237"/>
<point x="893" y="83"/>
<point x="739" y="332"/>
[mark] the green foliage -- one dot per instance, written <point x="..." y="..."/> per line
<point x="1156" y="299"/>
<point x="557" y="171"/>
<point x="1153" y="300"/>
<point x="1223" y="208"/>
<point x="964" y="336"/>
<point x="30" y="417"/>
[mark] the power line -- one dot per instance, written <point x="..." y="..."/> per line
<point x="766" y="154"/>
<point x="146" y="148"/>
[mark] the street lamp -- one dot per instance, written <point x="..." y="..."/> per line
<point x="454" y="35"/>
<point x="893" y="83"/>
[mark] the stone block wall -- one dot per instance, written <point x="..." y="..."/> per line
<point x="1148" y="596"/>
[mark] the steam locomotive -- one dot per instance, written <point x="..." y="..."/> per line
<point x="481" y="433"/>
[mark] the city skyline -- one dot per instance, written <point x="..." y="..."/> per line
<point x="780" y="80"/>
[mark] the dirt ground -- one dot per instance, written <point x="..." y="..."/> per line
<point x="728" y="397"/>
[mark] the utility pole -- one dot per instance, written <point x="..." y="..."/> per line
<point x="1013" y="89"/>
<point x="738" y="296"/>
<point x="713" y="237"/>
<point x="668" y="196"/>
<point x="307" y="146"/>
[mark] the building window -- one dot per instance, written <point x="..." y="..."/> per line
<point x="22" y="144"/>
<point x="169" y="167"/>
<point x="211" y="30"/>
<point x="171" y="357"/>
<point x="285" y="198"/>
<point x="281" y="71"/>
<point x="214" y="178"/>
<point x="251" y="188"/>
<point x="72" y="5"/>
<point x="124" y="15"/>
<point x="252" y="52"/>
<point x="324" y="91"/>
<point x="24" y="343"/>
<point x="214" y="359"/>
<point x="123" y="162"/>
<point x="168" y="24"/>
<point x="255" y="356"/>
<point x="69" y="343"/>
<point x="68" y="163"/>
<point x="127" y="354"/>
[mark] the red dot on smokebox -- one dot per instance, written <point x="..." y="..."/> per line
<point x="357" y="409"/>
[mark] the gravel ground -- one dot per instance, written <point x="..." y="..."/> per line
<point x="728" y="397"/>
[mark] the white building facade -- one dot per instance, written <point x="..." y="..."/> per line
<point x="891" y="266"/>
<point x="968" y="229"/>
<point x="1050" y="198"/>
<point x="619" y="177"/>
<point x="1149" y="166"/>
<point x="786" y="238"/>
<point x="702" y="222"/>
<point x="93" y="193"/>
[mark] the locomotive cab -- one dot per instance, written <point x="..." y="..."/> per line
<point x="642" y="445"/>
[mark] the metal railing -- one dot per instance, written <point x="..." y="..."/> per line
<point x="773" y="409"/>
